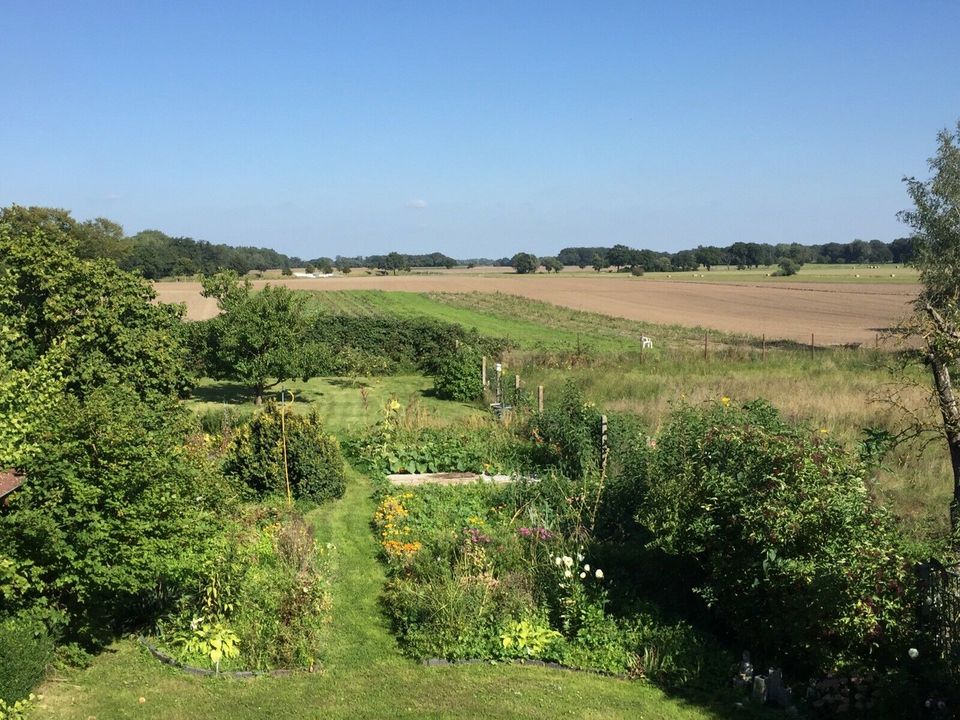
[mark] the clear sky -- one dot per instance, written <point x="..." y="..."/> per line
<point x="480" y="128"/>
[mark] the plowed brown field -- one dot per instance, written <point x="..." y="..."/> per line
<point x="836" y="313"/>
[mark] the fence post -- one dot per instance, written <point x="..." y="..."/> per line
<point x="763" y="354"/>
<point x="811" y="344"/>
<point x="516" y="382"/>
<point x="603" y="442"/>
<point x="704" y="344"/>
<point x="483" y="371"/>
<point x="539" y="398"/>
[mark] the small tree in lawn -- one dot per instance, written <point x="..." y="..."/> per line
<point x="935" y="220"/>
<point x="260" y="338"/>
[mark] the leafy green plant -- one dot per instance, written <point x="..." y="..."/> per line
<point x="525" y="638"/>
<point x="17" y="710"/>
<point x="394" y="446"/>
<point x="263" y="600"/>
<point x="457" y="376"/>
<point x="795" y="556"/>
<point x="211" y="640"/>
<point x="26" y="649"/>
<point x="313" y="458"/>
<point x="567" y="435"/>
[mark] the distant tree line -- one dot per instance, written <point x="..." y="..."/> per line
<point x="395" y="261"/>
<point x="155" y="254"/>
<point x="151" y="252"/>
<point x="741" y="255"/>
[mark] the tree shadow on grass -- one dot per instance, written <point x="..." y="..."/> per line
<point x="229" y="393"/>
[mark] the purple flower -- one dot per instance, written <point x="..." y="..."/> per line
<point x="477" y="537"/>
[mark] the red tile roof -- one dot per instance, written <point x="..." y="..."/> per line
<point x="10" y="480"/>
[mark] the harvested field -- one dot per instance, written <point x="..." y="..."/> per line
<point x="836" y="313"/>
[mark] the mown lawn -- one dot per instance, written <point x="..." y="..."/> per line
<point x="340" y="400"/>
<point x="364" y="674"/>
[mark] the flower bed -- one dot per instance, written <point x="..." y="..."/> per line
<point x="506" y="572"/>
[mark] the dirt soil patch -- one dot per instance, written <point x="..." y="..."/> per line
<point x="836" y="314"/>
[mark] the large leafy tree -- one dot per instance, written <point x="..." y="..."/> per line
<point x="115" y="507"/>
<point x="102" y="320"/>
<point x="260" y="339"/>
<point x="935" y="220"/>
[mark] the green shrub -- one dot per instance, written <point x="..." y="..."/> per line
<point x="314" y="461"/>
<point x="795" y="556"/>
<point x="114" y="520"/>
<point x="567" y="435"/>
<point x="26" y="648"/>
<point x="382" y="344"/>
<point x="458" y="376"/>
<point x="221" y="421"/>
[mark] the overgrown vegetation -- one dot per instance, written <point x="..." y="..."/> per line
<point x="261" y="601"/>
<point x="278" y="452"/>
<point x="123" y="510"/>
<point x="796" y="558"/>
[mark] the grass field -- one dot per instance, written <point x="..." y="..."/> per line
<point x="346" y="403"/>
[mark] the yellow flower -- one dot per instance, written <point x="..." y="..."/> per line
<point x="824" y="431"/>
<point x="394" y="405"/>
<point x="725" y="401"/>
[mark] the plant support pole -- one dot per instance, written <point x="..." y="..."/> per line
<point x="283" y="433"/>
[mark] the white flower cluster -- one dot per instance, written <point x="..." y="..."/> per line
<point x="566" y="563"/>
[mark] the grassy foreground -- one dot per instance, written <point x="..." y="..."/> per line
<point x="364" y="675"/>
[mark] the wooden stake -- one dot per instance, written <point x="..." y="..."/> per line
<point x="516" y="382"/>
<point x="763" y="354"/>
<point x="603" y="442"/>
<point x="811" y="344"/>
<point x="539" y="398"/>
<point x="483" y="371"/>
<point x="704" y="344"/>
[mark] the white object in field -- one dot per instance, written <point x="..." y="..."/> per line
<point x="646" y="342"/>
<point x="499" y="367"/>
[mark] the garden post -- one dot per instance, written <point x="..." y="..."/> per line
<point x="539" y="398"/>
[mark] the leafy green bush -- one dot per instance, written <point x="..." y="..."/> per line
<point x="26" y="648"/>
<point x="314" y="461"/>
<point x="114" y="519"/>
<point x="796" y="558"/>
<point x="382" y="344"/>
<point x="457" y="376"/>
<point x="567" y="435"/>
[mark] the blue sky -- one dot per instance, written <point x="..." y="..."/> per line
<point x="476" y="129"/>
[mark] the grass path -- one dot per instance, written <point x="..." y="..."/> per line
<point x="365" y="676"/>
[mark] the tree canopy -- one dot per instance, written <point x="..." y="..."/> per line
<point x="524" y="263"/>
<point x="260" y="339"/>
<point x="100" y="319"/>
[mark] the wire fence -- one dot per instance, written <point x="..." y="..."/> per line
<point x="939" y="611"/>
